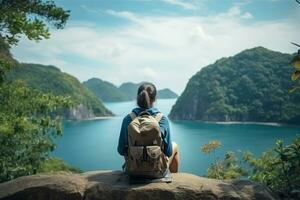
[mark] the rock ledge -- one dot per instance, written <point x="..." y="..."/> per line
<point x="108" y="185"/>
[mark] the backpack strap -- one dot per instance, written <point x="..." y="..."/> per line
<point x="158" y="117"/>
<point x="132" y="115"/>
<point x="144" y="113"/>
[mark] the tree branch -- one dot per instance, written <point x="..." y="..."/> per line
<point x="295" y="43"/>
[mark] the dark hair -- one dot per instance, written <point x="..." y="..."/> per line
<point x="146" y="95"/>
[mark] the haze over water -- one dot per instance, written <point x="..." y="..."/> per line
<point x="92" y="144"/>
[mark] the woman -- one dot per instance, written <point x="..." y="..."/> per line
<point x="146" y="97"/>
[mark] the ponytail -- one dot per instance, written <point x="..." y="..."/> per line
<point x="143" y="99"/>
<point x="146" y="95"/>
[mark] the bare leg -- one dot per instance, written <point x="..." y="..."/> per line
<point x="174" y="159"/>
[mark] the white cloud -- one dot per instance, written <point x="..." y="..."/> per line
<point x="162" y="49"/>
<point x="183" y="4"/>
<point x="234" y="11"/>
<point x="148" y="73"/>
<point x="123" y="14"/>
<point x="247" y="15"/>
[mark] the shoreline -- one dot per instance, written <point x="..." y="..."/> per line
<point x="276" y="124"/>
<point x="91" y="118"/>
<point x="240" y="122"/>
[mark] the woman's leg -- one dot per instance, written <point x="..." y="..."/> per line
<point x="174" y="159"/>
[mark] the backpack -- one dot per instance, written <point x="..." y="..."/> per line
<point x="145" y="157"/>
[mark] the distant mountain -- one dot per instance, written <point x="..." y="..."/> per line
<point x="50" y="79"/>
<point x="130" y="89"/>
<point x="250" y="86"/>
<point x="166" y="94"/>
<point x="108" y="92"/>
<point x="105" y="90"/>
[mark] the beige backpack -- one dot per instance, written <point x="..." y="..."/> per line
<point x="145" y="157"/>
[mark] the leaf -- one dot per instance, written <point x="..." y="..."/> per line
<point x="293" y="89"/>
<point x="297" y="65"/>
<point x="295" y="75"/>
<point x="296" y="62"/>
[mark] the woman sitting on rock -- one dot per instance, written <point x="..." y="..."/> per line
<point x="145" y="140"/>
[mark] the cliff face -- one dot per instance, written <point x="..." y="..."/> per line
<point x="108" y="185"/>
<point x="79" y="112"/>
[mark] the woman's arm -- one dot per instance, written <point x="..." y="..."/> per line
<point x="165" y="131"/>
<point x="123" y="138"/>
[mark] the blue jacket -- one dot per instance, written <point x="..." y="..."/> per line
<point x="164" y="128"/>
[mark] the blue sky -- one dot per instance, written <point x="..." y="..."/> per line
<point x="162" y="41"/>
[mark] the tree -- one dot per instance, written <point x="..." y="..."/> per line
<point x="29" y="17"/>
<point x="27" y="128"/>
<point x="27" y="120"/>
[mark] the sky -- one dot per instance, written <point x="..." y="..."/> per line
<point x="162" y="41"/>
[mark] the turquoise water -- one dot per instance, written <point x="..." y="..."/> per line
<point x="91" y="145"/>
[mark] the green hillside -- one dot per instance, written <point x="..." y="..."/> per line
<point x="50" y="79"/>
<point x="105" y="90"/>
<point x="250" y="86"/>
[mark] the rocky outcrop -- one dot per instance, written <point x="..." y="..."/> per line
<point x="79" y="112"/>
<point x="108" y="185"/>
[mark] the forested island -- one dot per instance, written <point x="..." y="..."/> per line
<point x="108" y="92"/>
<point x="250" y="86"/>
<point x="49" y="79"/>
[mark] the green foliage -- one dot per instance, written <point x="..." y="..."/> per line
<point x="250" y="86"/>
<point x="278" y="168"/>
<point x="228" y="168"/>
<point x="296" y="73"/>
<point x="29" y="17"/>
<point x="223" y="169"/>
<point x="28" y="122"/>
<point x="56" y="164"/>
<point x="211" y="146"/>
<point x="27" y="127"/>
<point x="6" y="60"/>
<point x="49" y="79"/>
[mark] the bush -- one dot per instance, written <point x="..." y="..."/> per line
<point x="56" y="164"/>
<point x="278" y="168"/>
<point x="223" y="169"/>
<point x="27" y="128"/>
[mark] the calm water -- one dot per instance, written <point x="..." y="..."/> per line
<point x="91" y="145"/>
